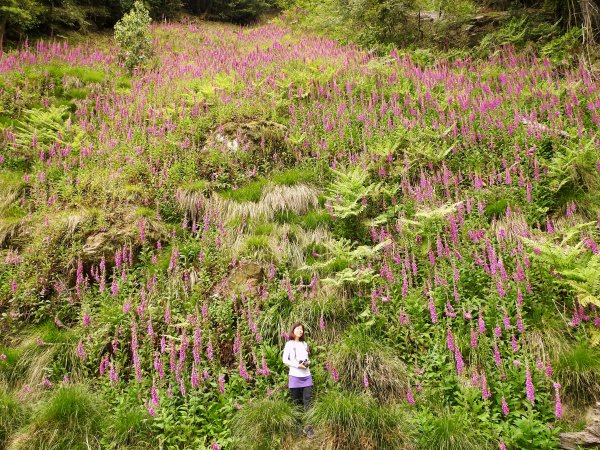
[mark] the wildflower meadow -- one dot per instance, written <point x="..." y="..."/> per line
<point x="432" y="219"/>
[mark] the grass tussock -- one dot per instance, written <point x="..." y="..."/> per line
<point x="265" y="424"/>
<point x="12" y="415"/>
<point x="349" y="421"/>
<point x="578" y="371"/>
<point x="257" y="200"/>
<point x="129" y="427"/>
<point x="358" y="355"/>
<point x="28" y="362"/>
<point x="452" y="430"/>
<point x="72" y="418"/>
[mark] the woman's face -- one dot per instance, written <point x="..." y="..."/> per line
<point x="298" y="331"/>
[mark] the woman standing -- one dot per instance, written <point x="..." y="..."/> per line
<point x="295" y="356"/>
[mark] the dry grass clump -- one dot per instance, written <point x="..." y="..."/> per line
<point x="261" y="201"/>
<point x="281" y="243"/>
<point x="11" y="215"/>
<point x="299" y="198"/>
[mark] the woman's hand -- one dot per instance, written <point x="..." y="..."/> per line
<point x="301" y="366"/>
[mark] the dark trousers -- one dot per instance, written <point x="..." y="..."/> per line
<point x="302" y="396"/>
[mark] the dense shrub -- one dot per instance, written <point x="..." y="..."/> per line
<point x="132" y="33"/>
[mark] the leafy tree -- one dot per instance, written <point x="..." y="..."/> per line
<point x="18" y="15"/>
<point x="132" y="33"/>
<point x="378" y="20"/>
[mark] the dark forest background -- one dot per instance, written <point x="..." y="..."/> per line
<point x="400" y="22"/>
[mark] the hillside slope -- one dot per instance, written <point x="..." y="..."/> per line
<point x="434" y="223"/>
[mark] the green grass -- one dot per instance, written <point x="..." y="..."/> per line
<point x="256" y="244"/>
<point x="142" y="211"/>
<point x="264" y="229"/>
<point x="251" y="192"/>
<point x="7" y="367"/>
<point x="196" y="186"/>
<point x="12" y="415"/>
<point x="75" y="93"/>
<point x="85" y="74"/>
<point x="10" y="179"/>
<point x="128" y="427"/>
<point x="314" y="219"/>
<point x="294" y="176"/>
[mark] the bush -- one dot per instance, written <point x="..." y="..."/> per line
<point x="264" y="423"/>
<point x="132" y="33"/>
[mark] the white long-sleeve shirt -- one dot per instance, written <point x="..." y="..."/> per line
<point x="293" y="353"/>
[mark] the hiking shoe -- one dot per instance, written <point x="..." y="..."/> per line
<point x="308" y="430"/>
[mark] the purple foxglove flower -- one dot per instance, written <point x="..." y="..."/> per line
<point x="505" y="409"/>
<point x="529" y="386"/>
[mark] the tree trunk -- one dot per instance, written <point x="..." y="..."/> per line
<point x="2" y="29"/>
<point x="590" y="19"/>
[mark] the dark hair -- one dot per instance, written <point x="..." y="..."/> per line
<point x="292" y="336"/>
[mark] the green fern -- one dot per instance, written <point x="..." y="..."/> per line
<point x="346" y="194"/>
<point x="577" y="271"/>
<point x="575" y="166"/>
<point x="48" y="126"/>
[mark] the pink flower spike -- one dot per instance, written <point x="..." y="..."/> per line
<point x="505" y="409"/>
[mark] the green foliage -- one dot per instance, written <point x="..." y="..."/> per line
<point x="517" y="32"/>
<point x="529" y="430"/>
<point x="565" y="47"/>
<point x="158" y="9"/>
<point x="264" y="424"/>
<point x="574" y="169"/>
<point x="195" y="422"/>
<point x="132" y="34"/>
<point x="47" y="126"/>
<point x="18" y="15"/>
<point x="348" y="198"/>
<point x="577" y="268"/>
<point x="348" y="190"/>
<point x="348" y="420"/>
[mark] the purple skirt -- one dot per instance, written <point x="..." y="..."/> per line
<point x="300" y="382"/>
